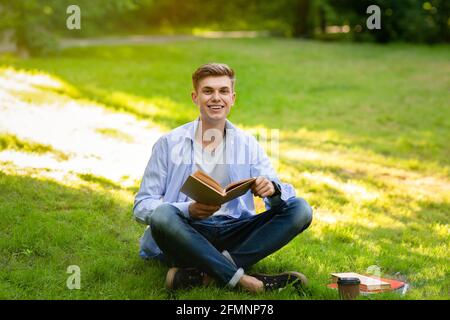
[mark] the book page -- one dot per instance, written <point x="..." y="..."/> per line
<point x="233" y="185"/>
<point x="239" y="190"/>
<point x="203" y="177"/>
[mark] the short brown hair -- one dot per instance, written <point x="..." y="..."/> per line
<point x="212" y="69"/>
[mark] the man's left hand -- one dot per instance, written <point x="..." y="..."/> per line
<point x="263" y="187"/>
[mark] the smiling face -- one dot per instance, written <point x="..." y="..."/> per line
<point x="214" y="96"/>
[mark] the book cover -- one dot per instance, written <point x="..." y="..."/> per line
<point x="204" y="189"/>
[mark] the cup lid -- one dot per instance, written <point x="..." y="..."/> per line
<point x="348" y="280"/>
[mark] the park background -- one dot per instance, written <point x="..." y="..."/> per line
<point x="363" y="118"/>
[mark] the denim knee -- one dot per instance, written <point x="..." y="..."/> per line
<point x="162" y="217"/>
<point x="302" y="213"/>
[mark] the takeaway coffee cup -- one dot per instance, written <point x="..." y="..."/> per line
<point x="348" y="288"/>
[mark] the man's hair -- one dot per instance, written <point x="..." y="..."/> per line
<point x="214" y="70"/>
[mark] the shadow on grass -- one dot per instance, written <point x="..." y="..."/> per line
<point x="414" y="150"/>
<point x="47" y="227"/>
<point x="163" y="111"/>
<point x="12" y="142"/>
<point x="106" y="183"/>
<point x="386" y="198"/>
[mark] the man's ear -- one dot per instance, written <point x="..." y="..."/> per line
<point x="194" y="97"/>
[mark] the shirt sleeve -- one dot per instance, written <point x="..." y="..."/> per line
<point x="261" y="166"/>
<point x="153" y="185"/>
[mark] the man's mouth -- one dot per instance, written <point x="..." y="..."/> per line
<point x="215" y="107"/>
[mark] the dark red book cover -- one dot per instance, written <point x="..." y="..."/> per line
<point x="395" y="284"/>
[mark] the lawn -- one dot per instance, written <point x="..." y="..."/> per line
<point x="363" y="129"/>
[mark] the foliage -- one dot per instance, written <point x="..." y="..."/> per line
<point x="38" y="23"/>
<point x="409" y="20"/>
<point x="31" y="25"/>
<point x="406" y="20"/>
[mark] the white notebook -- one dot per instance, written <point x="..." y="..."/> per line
<point x="367" y="283"/>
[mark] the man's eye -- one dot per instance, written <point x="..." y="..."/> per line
<point x="224" y="91"/>
<point x="207" y="91"/>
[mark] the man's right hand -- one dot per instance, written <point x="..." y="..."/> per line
<point x="201" y="211"/>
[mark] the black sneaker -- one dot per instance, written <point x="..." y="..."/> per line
<point x="184" y="278"/>
<point x="280" y="281"/>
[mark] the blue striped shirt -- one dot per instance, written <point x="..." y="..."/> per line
<point x="172" y="161"/>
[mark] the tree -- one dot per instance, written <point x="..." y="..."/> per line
<point x="27" y="20"/>
<point x="406" y="20"/>
<point x="301" y="26"/>
<point x="37" y="24"/>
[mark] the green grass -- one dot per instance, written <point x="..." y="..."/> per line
<point x="364" y="138"/>
<point x="114" y="133"/>
<point x="12" y="142"/>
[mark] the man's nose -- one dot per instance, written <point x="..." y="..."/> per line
<point x="215" y="96"/>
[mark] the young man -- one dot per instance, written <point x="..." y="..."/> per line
<point x="203" y="242"/>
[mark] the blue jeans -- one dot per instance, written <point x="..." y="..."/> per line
<point x="222" y="246"/>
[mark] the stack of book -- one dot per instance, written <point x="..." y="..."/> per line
<point x="371" y="284"/>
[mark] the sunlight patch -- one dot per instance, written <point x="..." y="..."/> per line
<point x="358" y="192"/>
<point x="327" y="217"/>
<point x="72" y="126"/>
<point x="31" y="81"/>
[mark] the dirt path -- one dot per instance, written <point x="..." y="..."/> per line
<point x="148" y="39"/>
<point x="6" y="45"/>
<point x="128" y="40"/>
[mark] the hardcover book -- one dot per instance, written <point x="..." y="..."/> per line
<point x="204" y="189"/>
<point x="367" y="283"/>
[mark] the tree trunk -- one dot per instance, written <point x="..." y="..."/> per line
<point x="322" y="21"/>
<point x="20" y="34"/>
<point x="301" y="26"/>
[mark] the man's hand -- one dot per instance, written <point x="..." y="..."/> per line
<point x="263" y="187"/>
<point x="201" y="211"/>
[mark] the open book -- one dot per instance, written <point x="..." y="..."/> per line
<point x="202" y="188"/>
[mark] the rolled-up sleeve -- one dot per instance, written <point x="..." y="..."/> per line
<point x="153" y="186"/>
<point x="261" y="166"/>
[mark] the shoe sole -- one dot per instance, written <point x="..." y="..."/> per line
<point x="302" y="278"/>
<point x="170" y="277"/>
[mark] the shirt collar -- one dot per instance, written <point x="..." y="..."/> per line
<point x="193" y="125"/>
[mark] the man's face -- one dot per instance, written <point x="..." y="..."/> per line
<point x="214" y="97"/>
